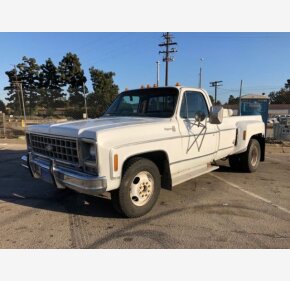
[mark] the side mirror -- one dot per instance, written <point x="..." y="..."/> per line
<point x="216" y="115"/>
<point x="199" y="116"/>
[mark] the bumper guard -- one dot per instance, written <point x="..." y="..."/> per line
<point x="63" y="177"/>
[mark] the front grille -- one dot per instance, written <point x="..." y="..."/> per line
<point x="55" y="147"/>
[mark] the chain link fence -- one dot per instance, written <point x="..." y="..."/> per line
<point x="12" y="121"/>
<point x="44" y="109"/>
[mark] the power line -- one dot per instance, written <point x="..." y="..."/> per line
<point x="102" y="40"/>
<point x="114" y="50"/>
<point x="215" y="84"/>
<point x="167" y="58"/>
<point x="112" y="53"/>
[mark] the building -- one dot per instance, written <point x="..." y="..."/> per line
<point x="274" y="109"/>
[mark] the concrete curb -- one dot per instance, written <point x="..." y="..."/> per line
<point x="277" y="148"/>
<point x="13" y="141"/>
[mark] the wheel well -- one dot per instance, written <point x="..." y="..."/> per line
<point x="261" y="140"/>
<point x="160" y="159"/>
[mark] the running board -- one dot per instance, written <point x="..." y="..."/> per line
<point x="191" y="174"/>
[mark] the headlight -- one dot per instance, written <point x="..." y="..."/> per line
<point x="89" y="150"/>
<point x="93" y="151"/>
<point x="89" y="156"/>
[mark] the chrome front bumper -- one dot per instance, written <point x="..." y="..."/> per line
<point x="63" y="177"/>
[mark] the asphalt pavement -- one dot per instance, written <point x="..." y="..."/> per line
<point x="223" y="209"/>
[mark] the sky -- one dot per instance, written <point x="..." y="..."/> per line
<point x="261" y="60"/>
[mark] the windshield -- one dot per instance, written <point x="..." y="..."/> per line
<point x="155" y="102"/>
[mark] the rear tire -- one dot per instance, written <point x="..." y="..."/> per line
<point x="249" y="160"/>
<point x="139" y="189"/>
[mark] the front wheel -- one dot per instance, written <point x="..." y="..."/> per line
<point x="139" y="189"/>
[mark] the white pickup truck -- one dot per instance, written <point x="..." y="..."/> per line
<point x="147" y="139"/>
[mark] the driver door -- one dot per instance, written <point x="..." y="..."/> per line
<point x="199" y="137"/>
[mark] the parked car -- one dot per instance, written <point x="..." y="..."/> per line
<point x="272" y="120"/>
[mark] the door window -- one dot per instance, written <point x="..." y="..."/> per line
<point x="192" y="103"/>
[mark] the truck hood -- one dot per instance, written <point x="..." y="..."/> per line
<point x="89" y="128"/>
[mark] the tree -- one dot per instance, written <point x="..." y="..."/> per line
<point x="282" y="96"/>
<point x="72" y="75"/>
<point x="13" y="92"/>
<point x="287" y="85"/>
<point x="51" y="93"/>
<point x="104" y="89"/>
<point x="2" y="106"/>
<point x="212" y="100"/>
<point x="233" y="100"/>
<point x="29" y="77"/>
<point x="45" y="85"/>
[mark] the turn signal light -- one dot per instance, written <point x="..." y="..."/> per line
<point x="116" y="163"/>
<point x="244" y="135"/>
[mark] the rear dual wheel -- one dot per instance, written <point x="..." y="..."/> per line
<point x="249" y="160"/>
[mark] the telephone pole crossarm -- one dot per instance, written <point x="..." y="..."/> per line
<point x="168" y="42"/>
<point x="215" y="84"/>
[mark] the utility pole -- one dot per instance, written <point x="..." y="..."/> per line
<point x="168" y="42"/>
<point x="85" y="97"/>
<point x="19" y="84"/>
<point x="200" y="72"/>
<point x="16" y="85"/>
<point x="215" y="84"/>
<point x="24" y="113"/>
<point x="158" y="64"/>
<point x="240" y="99"/>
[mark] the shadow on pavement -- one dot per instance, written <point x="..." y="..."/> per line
<point x="225" y="168"/>
<point x="18" y="187"/>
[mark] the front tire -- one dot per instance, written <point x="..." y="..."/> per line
<point x="139" y="189"/>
